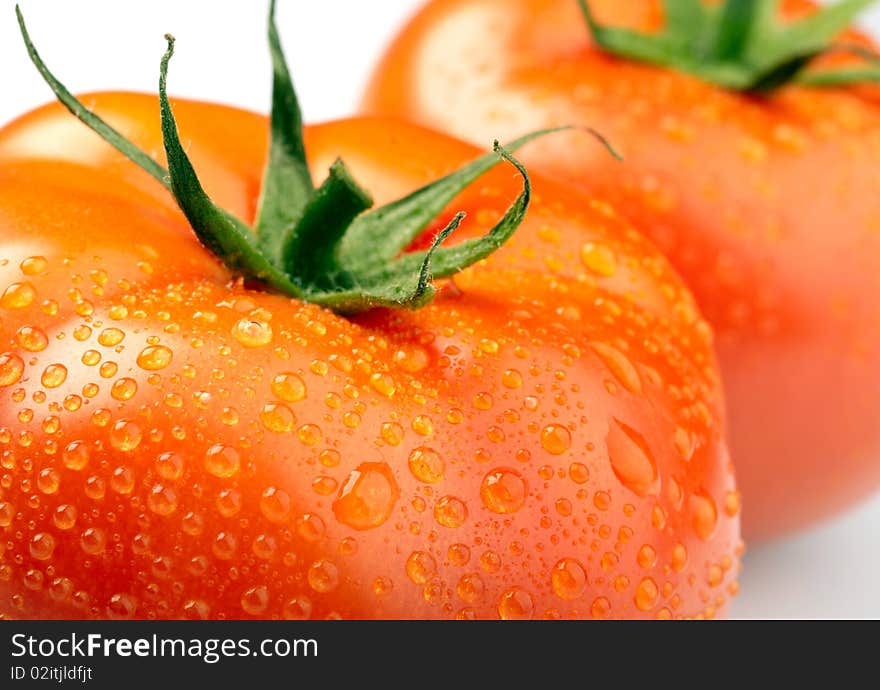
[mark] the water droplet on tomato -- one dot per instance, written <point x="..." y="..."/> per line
<point x="31" y="338"/>
<point x="619" y="365"/>
<point x="646" y="594"/>
<point x="569" y="579"/>
<point x="123" y="389"/>
<point x="563" y="507"/>
<point x="299" y="608"/>
<point x="192" y="524"/>
<point x="600" y="608"/>
<point x="90" y="358"/>
<point x="310" y="527"/>
<point x="309" y="434"/>
<point x="108" y="370"/>
<point x="420" y="567"/>
<point x="599" y="259"/>
<point x="392" y="433"/>
<point x="646" y="557"/>
<point x="125" y="435"/>
<point x="516" y="604"/>
<point x="555" y="439"/>
<point x="48" y="480"/>
<point x="324" y="486"/>
<point x="458" y="554"/>
<point x="330" y="458"/>
<point x="34" y="265"/>
<point x="367" y="496"/>
<point x="684" y="443"/>
<point x="122" y="480"/>
<point x="72" y="402"/>
<point x="255" y="600"/>
<point x="275" y="504"/>
<point x="121" y="607"/>
<point x="222" y="461"/>
<point x="483" y="401"/>
<point x="93" y="540"/>
<point x="579" y="473"/>
<point x="252" y="332"/>
<point x="679" y="557"/>
<point x="82" y="332"/>
<point x="228" y="502"/>
<point x="11" y="368"/>
<point x="455" y="415"/>
<point x="704" y="514"/>
<point x="323" y="576"/>
<point x="224" y="546"/>
<point x="154" y="357"/>
<point x="631" y="459"/>
<point x="7" y="513"/>
<point x="504" y="491"/>
<point x="54" y="375"/>
<point x="41" y="546"/>
<point x="658" y="517"/>
<point x="277" y="417"/>
<point x="196" y="610"/>
<point x="229" y="416"/>
<point x="411" y="358"/>
<point x="512" y="379"/>
<point x="95" y="488"/>
<point x="383" y="384"/>
<point x="382" y="586"/>
<point x="64" y="516"/>
<point x="162" y="500"/>
<point x="732" y="503"/>
<point x="450" y="512"/>
<point x="264" y="547"/>
<point x="18" y="296"/>
<point x="427" y="465"/>
<point x="170" y="466"/>
<point x="289" y="387"/>
<point x="470" y="588"/>
<point x="423" y="425"/>
<point x="110" y="337"/>
<point x="60" y="589"/>
<point x="602" y="500"/>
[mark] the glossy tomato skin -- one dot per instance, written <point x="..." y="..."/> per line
<point x="768" y="207"/>
<point x="543" y="440"/>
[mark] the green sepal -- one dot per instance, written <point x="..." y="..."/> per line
<point x="309" y="251"/>
<point x="408" y="285"/>
<point x="845" y="76"/>
<point x="448" y="261"/>
<point x="740" y="45"/>
<point x="287" y="182"/>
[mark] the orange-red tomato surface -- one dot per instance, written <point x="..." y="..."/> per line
<point x="768" y="206"/>
<point x="544" y="440"/>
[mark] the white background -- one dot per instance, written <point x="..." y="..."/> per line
<point x="830" y="572"/>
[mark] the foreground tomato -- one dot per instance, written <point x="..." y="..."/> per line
<point x="544" y="439"/>
<point x="766" y="201"/>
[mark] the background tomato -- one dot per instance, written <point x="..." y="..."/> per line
<point x="545" y="439"/>
<point x="767" y="205"/>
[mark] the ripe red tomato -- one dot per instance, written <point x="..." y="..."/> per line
<point x="766" y="203"/>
